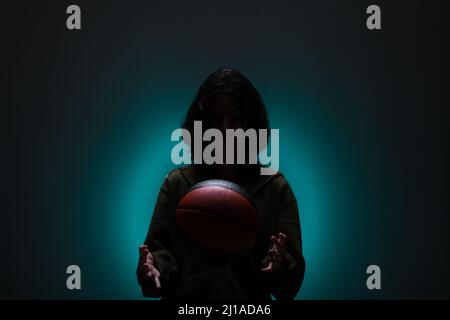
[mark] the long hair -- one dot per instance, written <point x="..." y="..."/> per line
<point x="251" y="107"/>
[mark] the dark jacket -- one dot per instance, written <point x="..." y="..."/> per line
<point x="184" y="277"/>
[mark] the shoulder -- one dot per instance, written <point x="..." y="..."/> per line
<point x="173" y="175"/>
<point x="179" y="179"/>
<point x="275" y="188"/>
<point x="280" y="180"/>
<point x="281" y="188"/>
<point x="276" y="181"/>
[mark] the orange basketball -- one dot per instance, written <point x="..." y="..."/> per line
<point x="218" y="214"/>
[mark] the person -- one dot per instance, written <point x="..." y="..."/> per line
<point x="275" y="264"/>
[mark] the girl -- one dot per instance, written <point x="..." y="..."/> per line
<point x="275" y="264"/>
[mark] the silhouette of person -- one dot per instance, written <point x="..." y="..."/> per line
<point x="275" y="264"/>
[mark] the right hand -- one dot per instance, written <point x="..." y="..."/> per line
<point x="147" y="271"/>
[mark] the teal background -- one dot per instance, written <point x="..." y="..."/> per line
<point x="363" y="136"/>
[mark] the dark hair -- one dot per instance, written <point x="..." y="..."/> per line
<point x="232" y="83"/>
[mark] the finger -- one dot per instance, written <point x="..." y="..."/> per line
<point x="277" y="245"/>
<point x="157" y="282"/>
<point x="149" y="274"/>
<point x="142" y="259"/>
<point x="143" y="264"/>
<point x="272" y="252"/>
<point x="280" y="247"/>
<point x="282" y="237"/>
<point x="142" y="247"/>
<point x="143" y="253"/>
<point x="150" y="259"/>
<point x="274" y="241"/>
<point x="268" y="269"/>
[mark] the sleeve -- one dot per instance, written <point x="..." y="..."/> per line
<point x="160" y="244"/>
<point x="287" y="280"/>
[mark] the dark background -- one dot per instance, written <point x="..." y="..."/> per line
<point x="363" y="117"/>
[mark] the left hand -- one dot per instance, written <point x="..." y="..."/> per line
<point x="276" y="253"/>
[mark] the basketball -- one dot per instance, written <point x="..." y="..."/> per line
<point x="218" y="214"/>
